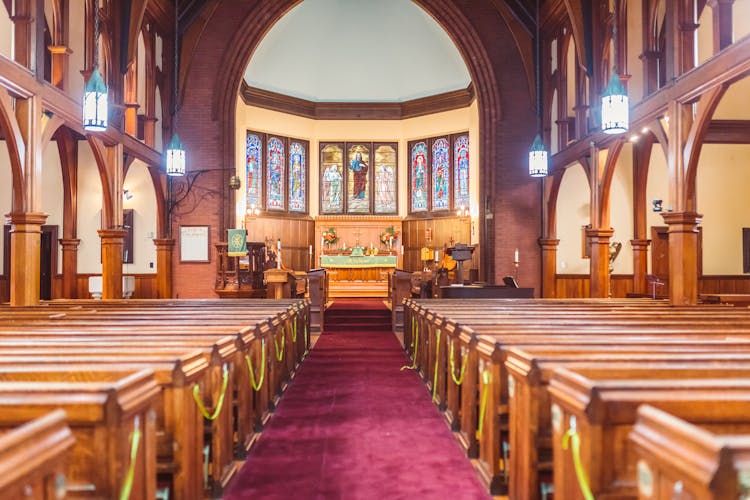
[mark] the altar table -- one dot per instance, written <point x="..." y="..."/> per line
<point x="358" y="276"/>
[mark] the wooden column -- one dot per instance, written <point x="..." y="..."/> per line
<point x="549" y="267"/>
<point x="683" y="257"/>
<point x="25" y="240"/>
<point x="640" y="264"/>
<point x="60" y="56"/>
<point x="164" y="253"/>
<point x="23" y="32"/>
<point x="112" y="243"/>
<point x="70" y="267"/>
<point x="722" y="23"/>
<point x="599" y="261"/>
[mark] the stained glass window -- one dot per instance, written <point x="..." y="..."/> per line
<point x="275" y="175"/>
<point x="461" y="171"/>
<point x="358" y="179"/>
<point x="385" y="179"/>
<point x="441" y="174"/>
<point x="297" y="170"/>
<point x="332" y="179"/>
<point x="419" y="194"/>
<point x="253" y="174"/>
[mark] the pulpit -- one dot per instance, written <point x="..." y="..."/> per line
<point x="240" y="277"/>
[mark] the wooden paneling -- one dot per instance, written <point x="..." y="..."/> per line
<point x="724" y="284"/>
<point x="4" y="289"/>
<point x="445" y="232"/>
<point x="145" y="285"/>
<point x="296" y="234"/>
<point x="574" y="286"/>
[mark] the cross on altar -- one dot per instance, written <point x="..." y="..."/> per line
<point x="356" y="234"/>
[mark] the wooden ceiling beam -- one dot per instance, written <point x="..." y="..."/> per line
<point x="726" y="67"/>
<point x="23" y="84"/>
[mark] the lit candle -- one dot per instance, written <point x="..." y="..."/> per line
<point x="278" y="244"/>
<point x="310" y="249"/>
<point x="402" y="249"/>
<point x="515" y="257"/>
<point x="437" y="255"/>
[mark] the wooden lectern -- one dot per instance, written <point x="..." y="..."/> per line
<point x="460" y="252"/>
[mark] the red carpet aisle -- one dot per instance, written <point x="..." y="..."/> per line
<point x="352" y="426"/>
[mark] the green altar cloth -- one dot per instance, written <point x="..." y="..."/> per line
<point x="347" y="261"/>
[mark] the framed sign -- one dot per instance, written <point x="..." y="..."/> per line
<point x="194" y="244"/>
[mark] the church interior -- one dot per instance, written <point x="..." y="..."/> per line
<point x="357" y="249"/>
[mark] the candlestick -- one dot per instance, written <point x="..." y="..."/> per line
<point x="278" y="244"/>
<point x="515" y="257"/>
<point x="437" y="255"/>
<point x="310" y="249"/>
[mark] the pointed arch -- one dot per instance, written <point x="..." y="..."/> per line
<point x="692" y="152"/>
<point x="100" y="155"/>
<point x="607" y="174"/>
<point x="16" y="149"/>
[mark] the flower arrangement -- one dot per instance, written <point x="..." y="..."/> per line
<point x="330" y="237"/>
<point x="388" y="236"/>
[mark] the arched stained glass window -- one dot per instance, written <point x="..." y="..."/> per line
<point x="441" y="174"/>
<point x="297" y="174"/>
<point x="275" y="177"/>
<point x="332" y="179"/>
<point x="385" y="180"/>
<point x="461" y="171"/>
<point x="418" y="177"/>
<point x="253" y="172"/>
<point x="358" y="182"/>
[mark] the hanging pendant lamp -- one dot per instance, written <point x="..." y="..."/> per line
<point x="175" y="152"/>
<point x="95" y="103"/>
<point x="615" y="108"/>
<point x="95" y="109"/>
<point x="538" y="164"/>
<point x="175" y="157"/>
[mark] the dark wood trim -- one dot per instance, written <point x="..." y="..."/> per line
<point x="728" y="132"/>
<point x="447" y="101"/>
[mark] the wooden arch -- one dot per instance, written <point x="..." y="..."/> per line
<point x="16" y="150"/>
<point x="100" y="155"/>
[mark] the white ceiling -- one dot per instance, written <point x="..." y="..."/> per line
<point x="357" y="51"/>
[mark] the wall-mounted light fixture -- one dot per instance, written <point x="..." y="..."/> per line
<point x="127" y="195"/>
<point x="656" y="205"/>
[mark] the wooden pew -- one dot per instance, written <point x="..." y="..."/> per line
<point x="463" y="415"/>
<point x="676" y="459"/>
<point x="597" y="408"/>
<point x="34" y="457"/>
<point x="530" y="369"/>
<point x="106" y="411"/>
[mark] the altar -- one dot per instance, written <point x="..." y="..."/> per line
<point x="358" y="275"/>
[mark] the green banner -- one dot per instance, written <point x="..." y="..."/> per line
<point x="237" y="242"/>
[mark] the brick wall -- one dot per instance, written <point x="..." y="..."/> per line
<point x="507" y="128"/>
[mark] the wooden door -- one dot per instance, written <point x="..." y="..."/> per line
<point x="47" y="259"/>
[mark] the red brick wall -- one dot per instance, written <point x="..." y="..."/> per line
<point x="507" y="128"/>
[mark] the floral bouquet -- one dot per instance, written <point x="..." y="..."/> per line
<point x="330" y="237"/>
<point x="389" y="235"/>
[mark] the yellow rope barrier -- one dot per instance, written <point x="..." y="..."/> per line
<point x="575" y="441"/>
<point x="294" y="330"/>
<point x="435" y="375"/>
<point x="486" y="378"/>
<point x="259" y="384"/>
<point x="219" y="404"/>
<point x="135" y="439"/>
<point x="460" y="379"/>
<point x="279" y="353"/>
<point x="414" y="346"/>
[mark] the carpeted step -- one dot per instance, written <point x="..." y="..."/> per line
<point x="360" y="327"/>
